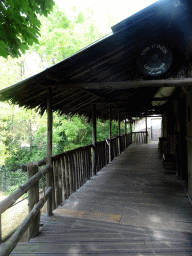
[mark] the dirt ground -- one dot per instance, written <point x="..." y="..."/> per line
<point x="14" y="216"/>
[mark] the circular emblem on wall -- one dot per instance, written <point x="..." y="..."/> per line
<point x="155" y="60"/>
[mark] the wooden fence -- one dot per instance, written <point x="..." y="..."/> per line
<point x="71" y="170"/>
<point x="139" y="137"/>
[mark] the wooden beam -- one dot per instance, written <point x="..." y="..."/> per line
<point x="49" y="147"/>
<point x="66" y="98"/>
<point x="128" y="102"/>
<point x="127" y="84"/>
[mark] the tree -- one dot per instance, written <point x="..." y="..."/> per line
<point x="19" y="24"/>
<point x="63" y="35"/>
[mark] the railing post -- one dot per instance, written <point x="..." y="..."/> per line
<point x="49" y="149"/>
<point x="94" y="140"/>
<point x="33" y="198"/>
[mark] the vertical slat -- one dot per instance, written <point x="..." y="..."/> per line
<point x="86" y="161"/>
<point x="67" y="177"/>
<point x="60" y="181"/>
<point x="80" y="172"/>
<point x="94" y="139"/>
<point x="70" y="175"/>
<point x="119" y="133"/>
<point x="72" y="172"/>
<point x="55" y="182"/>
<point x="146" y="129"/>
<point x="85" y="164"/>
<point x="64" y="190"/>
<point x="110" y="146"/>
<point x="81" y="168"/>
<point x="90" y="164"/>
<point x="125" y="133"/>
<point x="76" y="169"/>
<point x="131" y="131"/>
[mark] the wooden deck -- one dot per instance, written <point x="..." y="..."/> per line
<point x="130" y="208"/>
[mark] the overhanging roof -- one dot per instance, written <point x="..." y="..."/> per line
<point x="106" y="72"/>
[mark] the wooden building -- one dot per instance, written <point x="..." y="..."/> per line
<point x="144" y="67"/>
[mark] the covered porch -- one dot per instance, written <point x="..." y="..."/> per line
<point x="119" y="197"/>
<point x="129" y="208"/>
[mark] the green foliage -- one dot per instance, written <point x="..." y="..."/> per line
<point x="11" y="180"/>
<point x="24" y="133"/>
<point x="20" y="24"/>
<point x="62" y="35"/>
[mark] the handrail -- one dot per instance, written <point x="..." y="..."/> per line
<point x="7" y="247"/>
<point x="140" y="132"/>
<point x="10" y="200"/>
<point x="71" y="151"/>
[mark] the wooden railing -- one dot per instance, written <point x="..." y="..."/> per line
<point x="71" y="170"/>
<point x="102" y="155"/>
<point x="139" y="137"/>
<point x="30" y="220"/>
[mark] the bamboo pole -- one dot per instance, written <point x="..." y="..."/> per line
<point x="33" y="198"/>
<point x="94" y="140"/>
<point x="49" y="148"/>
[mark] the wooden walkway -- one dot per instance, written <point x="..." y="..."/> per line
<point x="130" y="208"/>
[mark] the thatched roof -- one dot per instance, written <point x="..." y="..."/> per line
<point x="107" y="73"/>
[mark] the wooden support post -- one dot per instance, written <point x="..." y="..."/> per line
<point x="110" y="146"/>
<point x="94" y="140"/>
<point x="146" y="128"/>
<point x="49" y="148"/>
<point x="119" y="133"/>
<point x="33" y="198"/>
